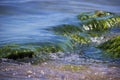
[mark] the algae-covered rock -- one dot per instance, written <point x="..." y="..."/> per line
<point x="39" y="52"/>
<point x="79" y="38"/>
<point x="96" y="14"/>
<point x="99" y="20"/>
<point x="112" y="47"/>
<point x="15" y="52"/>
<point x="66" y="29"/>
<point x="73" y="33"/>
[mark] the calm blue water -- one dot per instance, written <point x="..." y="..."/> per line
<point x="26" y="21"/>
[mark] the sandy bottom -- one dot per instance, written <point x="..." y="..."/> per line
<point x="58" y="70"/>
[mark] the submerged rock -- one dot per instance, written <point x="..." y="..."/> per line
<point x="31" y="52"/>
<point x="66" y="29"/>
<point x="98" y="22"/>
<point x="73" y="33"/>
<point x="112" y="47"/>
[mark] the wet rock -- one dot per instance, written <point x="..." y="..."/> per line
<point x="98" y="22"/>
<point x="42" y="72"/>
<point x="112" y="47"/>
<point x="29" y="72"/>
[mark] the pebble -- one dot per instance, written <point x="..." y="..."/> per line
<point x="29" y="76"/>
<point x="14" y="74"/>
<point x="45" y="62"/>
<point x="110" y="78"/>
<point x="29" y="72"/>
<point x="103" y="73"/>
<point x="96" y="73"/>
<point x="114" y="67"/>
<point x="42" y="72"/>
<point x="6" y="69"/>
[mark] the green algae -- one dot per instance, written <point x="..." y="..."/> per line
<point x="34" y="52"/>
<point x="79" y="39"/>
<point x="95" y="14"/>
<point x="66" y="29"/>
<point x="98" y="21"/>
<point x="112" y="47"/>
<point x="71" y="32"/>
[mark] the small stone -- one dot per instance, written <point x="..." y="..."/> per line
<point x="103" y="73"/>
<point x="83" y="77"/>
<point x="113" y="67"/>
<point x="29" y="63"/>
<point x="45" y="62"/>
<point x="6" y="69"/>
<point x="96" y="73"/>
<point x="14" y="74"/>
<point x="42" y="72"/>
<point x="29" y="76"/>
<point x="29" y="72"/>
<point x="110" y="79"/>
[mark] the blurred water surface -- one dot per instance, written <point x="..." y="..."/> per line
<point x="25" y="21"/>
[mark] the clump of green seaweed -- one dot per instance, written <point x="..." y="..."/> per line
<point x="98" y="21"/>
<point x="66" y="29"/>
<point x="37" y="52"/>
<point x="112" y="47"/>
<point x="89" y="15"/>
<point x="15" y="51"/>
<point x="74" y="33"/>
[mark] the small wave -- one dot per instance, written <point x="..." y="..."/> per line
<point x="15" y="1"/>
